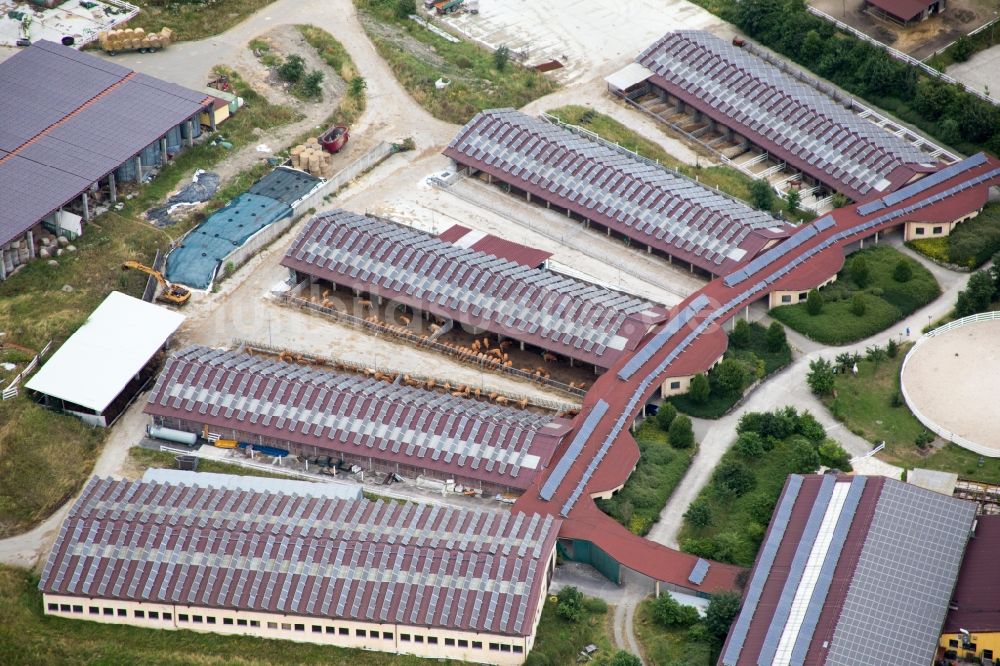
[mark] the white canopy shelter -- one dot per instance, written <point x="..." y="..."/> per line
<point x="98" y="361"/>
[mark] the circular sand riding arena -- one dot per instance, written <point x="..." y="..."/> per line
<point x="951" y="382"/>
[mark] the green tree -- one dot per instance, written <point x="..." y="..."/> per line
<point x="681" y="434"/>
<point x="312" y="84"/>
<point x="501" y="57"/>
<point x="740" y="335"/>
<point x="860" y="273"/>
<point x="569" y="604"/>
<point x="731" y="377"/>
<point x="902" y="272"/>
<point x="875" y="355"/>
<point x="721" y="612"/>
<point x="814" y="302"/>
<point x="699" y="389"/>
<point x="292" y="69"/>
<point x="357" y="87"/>
<point x="776" y="340"/>
<point x="792" y="201"/>
<point x="756" y="16"/>
<point x="812" y="47"/>
<point x="962" y="49"/>
<point x="749" y="445"/>
<point x="845" y="361"/>
<point x="761" y="195"/>
<point x="821" y="379"/>
<point x="671" y="613"/>
<point x="665" y="415"/>
<point x="833" y="456"/>
<point x="623" y="658"/>
<point x="858" y="304"/>
<point x="803" y="456"/>
<point x="892" y="348"/>
<point x="979" y="292"/>
<point x="879" y="73"/>
<point x="732" y="477"/>
<point x="699" y="514"/>
<point x="807" y="426"/>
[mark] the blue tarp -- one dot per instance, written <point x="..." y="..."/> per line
<point x="284" y="184"/>
<point x="194" y="263"/>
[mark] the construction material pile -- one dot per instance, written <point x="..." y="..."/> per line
<point x="311" y="158"/>
<point x="135" y="39"/>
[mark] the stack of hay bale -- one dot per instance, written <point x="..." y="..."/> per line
<point x="311" y="158"/>
<point x="136" y="39"/>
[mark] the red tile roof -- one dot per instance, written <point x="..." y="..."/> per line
<point x="793" y="121"/>
<point x="578" y="319"/>
<point x="615" y="188"/>
<point x="975" y="606"/>
<point x="297" y="554"/>
<point x="609" y="454"/>
<point x="356" y="416"/>
<point x="531" y="257"/>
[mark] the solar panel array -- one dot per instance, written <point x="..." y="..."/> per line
<point x="682" y="319"/>
<point x="718" y="313"/>
<point x="88" y="118"/>
<point x="903" y="581"/>
<point x="829" y="142"/>
<point x="565" y="315"/>
<point x="352" y="414"/>
<point x="276" y="552"/>
<point x="699" y="571"/>
<point x="632" y="196"/>
<point x="573" y="451"/>
<point x="923" y="184"/>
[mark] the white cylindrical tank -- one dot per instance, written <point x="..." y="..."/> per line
<point x="171" y="435"/>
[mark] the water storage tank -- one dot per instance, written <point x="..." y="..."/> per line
<point x="171" y="435"/>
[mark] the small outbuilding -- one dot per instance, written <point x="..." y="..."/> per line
<point x="100" y="368"/>
<point x="905" y="12"/>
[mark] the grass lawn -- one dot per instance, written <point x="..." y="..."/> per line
<point x="419" y="57"/>
<point x="660" y="468"/>
<point x="729" y="180"/>
<point x="29" y="637"/>
<point x="560" y="641"/>
<point x="864" y="405"/>
<point x="44" y="456"/>
<point x="147" y="458"/>
<point x="886" y="300"/>
<point x="194" y="20"/>
<point x="719" y="403"/>
<point x="671" y="646"/>
<point x="970" y="244"/>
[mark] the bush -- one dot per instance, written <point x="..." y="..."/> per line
<point x="292" y="69"/>
<point x="761" y="195"/>
<point x="740" y="335"/>
<point x="832" y="455"/>
<point x="570" y="604"/>
<point x="681" y="434"/>
<point x="924" y="439"/>
<point x="858" y="305"/>
<point x="821" y="377"/>
<point x="814" y="302"/>
<point x="978" y="294"/>
<point x="731" y="377"/>
<point x="501" y="57"/>
<point x="623" y="658"/>
<point x="962" y="49"/>
<point x="733" y="478"/>
<point x="670" y="613"/>
<point x="665" y="416"/>
<point x="902" y="272"/>
<point x="722" y="610"/>
<point x="312" y="84"/>
<point x="403" y="8"/>
<point x="792" y="201"/>
<point x="595" y="605"/>
<point x="892" y="348"/>
<point x="860" y="273"/>
<point x="749" y="445"/>
<point x="699" y="514"/>
<point x="699" y="389"/>
<point x="776" y="340"/>
<point x="358" y="86"/>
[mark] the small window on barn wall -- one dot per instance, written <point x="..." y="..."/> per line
<point x="937" y="230"/>
<point x="920" y="231"/>
<point x="786" y="298"/>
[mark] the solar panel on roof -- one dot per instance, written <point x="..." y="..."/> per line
<point x="699" y="571"/>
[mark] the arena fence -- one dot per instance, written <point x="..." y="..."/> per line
<point x="928" y="422"/>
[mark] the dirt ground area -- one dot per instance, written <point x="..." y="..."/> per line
<point x="589" y="37"/>
<point x="966" y="361"/>
<point x="923" y="39"/>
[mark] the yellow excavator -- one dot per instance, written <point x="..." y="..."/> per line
<point x="172" y="293"/>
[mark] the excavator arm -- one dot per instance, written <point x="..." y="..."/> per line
<point x="172" y="293"/>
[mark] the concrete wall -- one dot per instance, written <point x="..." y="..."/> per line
<point x="429" y="642"/>
<point x="776" y="298"/>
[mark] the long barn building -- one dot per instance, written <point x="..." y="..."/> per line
<point x="791" y="120"/>
<point x="381" y="427"/>
<point x="614" y="190"/>
<point x="246" y="558"/>
<point x="550" y="311"/>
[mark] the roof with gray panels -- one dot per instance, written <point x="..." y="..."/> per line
<point x="853" y="571"/>
<point x="355" y="415"/>
<point x="793" y="120"/>
<point x="299" y="554"/>
<point x="614" y="187"/>
<point x="579" y="319"/>
<point x="87" y="119"/>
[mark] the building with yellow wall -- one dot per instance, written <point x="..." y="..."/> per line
<point x="972" y="627"/>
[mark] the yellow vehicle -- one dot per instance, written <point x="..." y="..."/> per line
<point x="225" y="443"/>
<point x="172" y="293"/>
